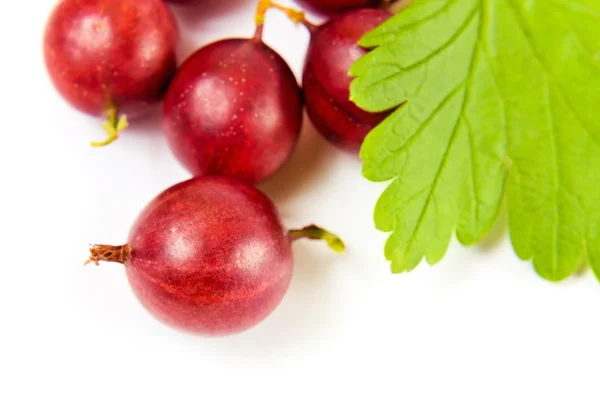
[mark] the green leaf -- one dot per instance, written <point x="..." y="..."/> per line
<point x="498" y="98"/>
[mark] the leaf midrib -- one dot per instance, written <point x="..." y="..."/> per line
<point x="549" y="81"/>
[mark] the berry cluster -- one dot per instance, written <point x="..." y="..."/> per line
<point x="210" y="255"/>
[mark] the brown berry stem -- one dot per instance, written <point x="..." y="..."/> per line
<point x="314" y="232"/>
<point x="295" y="15"/>
<point x="113" y="125"/>
<point x="107" y="253"/>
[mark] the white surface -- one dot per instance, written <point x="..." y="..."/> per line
<point x="480" y="322"/>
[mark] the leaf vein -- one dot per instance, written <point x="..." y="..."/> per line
<point x="433" y="54"/>
<point x="393" y="153"/>
<point x="418" y="22"/>
<point x="544" y="64"/>
<point x="468" y="82"/>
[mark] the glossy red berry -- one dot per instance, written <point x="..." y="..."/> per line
<point x="208" y="256"/>
<point x="234" y="109"/>
<point x="111" y="55"/>
<point x="333" y="50"/>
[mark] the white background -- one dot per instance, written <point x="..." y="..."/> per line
<point x="480" y="322"/>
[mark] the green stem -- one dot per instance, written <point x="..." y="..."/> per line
<point x="314" y="232"/>
<point x="113" y="125"/>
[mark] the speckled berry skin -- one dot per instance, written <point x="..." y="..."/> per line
<point x="103" y="53"/>
<point x="210" y="256"/>
<point x="332" y="6"/>
<point x="234" y="108"/>
<point x="326" y="82"/>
